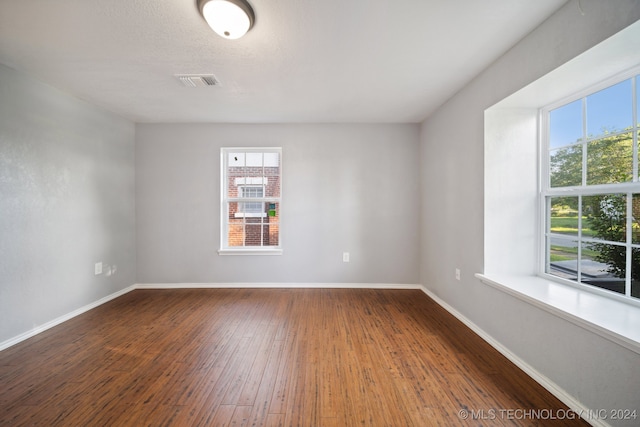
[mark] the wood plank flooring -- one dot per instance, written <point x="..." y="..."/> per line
<point x="268" y="357"/>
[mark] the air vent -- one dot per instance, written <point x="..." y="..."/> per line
<point x="198" y="80"/>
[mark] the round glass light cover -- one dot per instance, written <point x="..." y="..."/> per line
<point x="226" y="19"/>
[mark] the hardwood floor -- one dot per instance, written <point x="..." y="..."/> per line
<point x="294" y="357"/>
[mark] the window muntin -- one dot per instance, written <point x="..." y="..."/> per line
<point x="251" y="198"/>
<point x="591" y="194"/>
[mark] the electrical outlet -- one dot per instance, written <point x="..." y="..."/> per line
<point x="457" y="274"/>
<point x="345" y="257"/>
<point x="97" y="270"/>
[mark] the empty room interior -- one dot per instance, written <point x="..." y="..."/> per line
<point x="371" y="212"/>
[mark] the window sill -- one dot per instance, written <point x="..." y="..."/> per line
<point x="251" y="251"/>
<point x="614" y="320"/>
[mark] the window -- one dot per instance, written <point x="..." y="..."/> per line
<point x="251" y="200"/>
<point x="591" y="189"/>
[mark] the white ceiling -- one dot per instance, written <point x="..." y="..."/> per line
<point x="303" y="61"/>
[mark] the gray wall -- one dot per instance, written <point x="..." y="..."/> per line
<point x="66" y="202"/>
<point x="594" y="370"/>
<point x="346" y="188"/>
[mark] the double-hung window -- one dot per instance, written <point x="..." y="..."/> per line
<point x="251" y="198"/>
<point x="591" y="188"/>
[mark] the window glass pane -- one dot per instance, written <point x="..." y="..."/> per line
<point x="234" y="209"/>
<point x="272" y="160"/>
<point x="254" y="160"/>
<point x="252" y="207"/>
<point x="563" y="258"/>
<point x="273" y="212"/>
<point x="609" y="110"/>
<point x="610" y="160"/>
<point x="236" y="232"/>
<point x="635" y="273"/>
<point x="254" y="230"/>
<point x="635" y="223"/>
<point x="565" y="166"/>
<point x="236" y="160"/>
<point x="236" y="173"/>
<point x="605" y="217"/>
<point x="564" y="216"/>
<point x="565" y="124"/>
<point x="272" y="174"/>
<point x="273" y="185"/>
<point x="274" y="235"/>
<point x="272" y="225"/>
<point x="604" y="265"/>
<point x="252" y="191"/>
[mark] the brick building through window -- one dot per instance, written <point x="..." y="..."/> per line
<point x="251" y="200"/>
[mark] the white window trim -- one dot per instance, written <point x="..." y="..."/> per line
<point x="224" y="202"/>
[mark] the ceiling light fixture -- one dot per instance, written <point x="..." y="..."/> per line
<point x="230" y="19"/>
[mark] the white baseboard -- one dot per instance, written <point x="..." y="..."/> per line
<point x="292" y="285"/>
<point x="55" y="322"/>
<point x="545" y="382"/>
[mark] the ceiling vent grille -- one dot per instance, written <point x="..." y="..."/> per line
<point x="198" y="80"/>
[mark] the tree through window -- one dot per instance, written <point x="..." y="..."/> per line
<point x="592" y="193"/>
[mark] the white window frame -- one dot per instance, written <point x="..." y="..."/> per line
<point x="225" y="201"/>
<point x="626" y="188"/>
